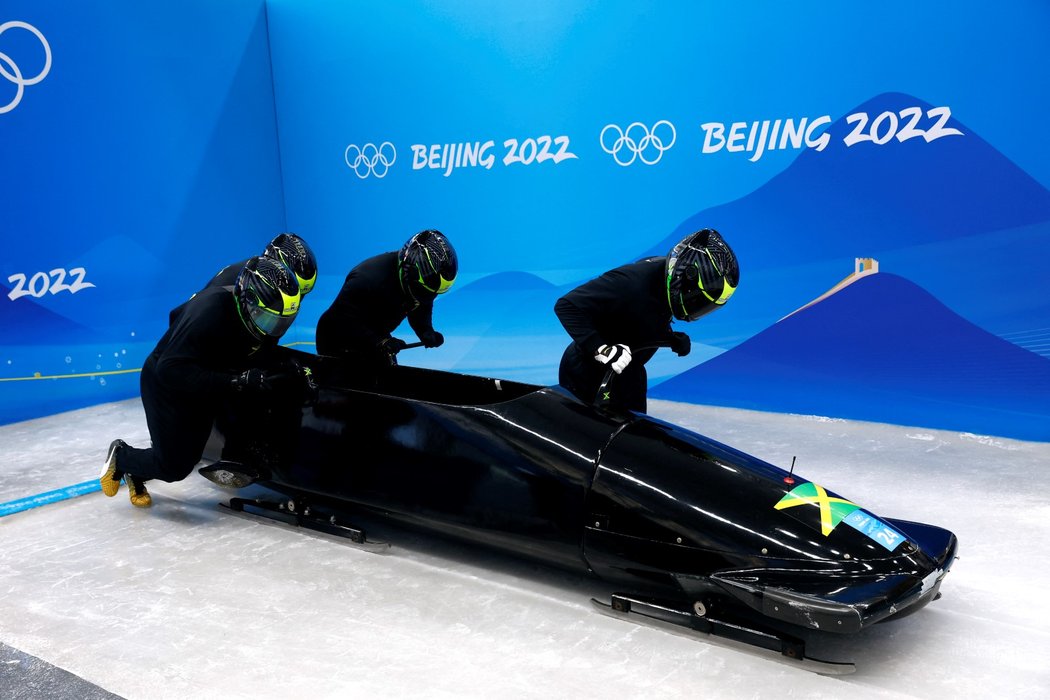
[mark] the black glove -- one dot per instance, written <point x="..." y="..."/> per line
<point x="432" y="339"/>
<point x="681" y="344"/>
<point x="296" y="380"/>
<point x="392" y="346"/>
<point x="254" y="379"/>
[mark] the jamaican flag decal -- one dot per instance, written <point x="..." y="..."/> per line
<point x="833" y="510"/>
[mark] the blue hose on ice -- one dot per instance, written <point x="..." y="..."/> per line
<point x="43" y="499"/>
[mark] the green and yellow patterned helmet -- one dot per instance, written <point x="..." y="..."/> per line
<point x="267" y="296"/>
<point x="292" y="250"/>
<point x="702" y="273"/>
<point x="427" y="265"/>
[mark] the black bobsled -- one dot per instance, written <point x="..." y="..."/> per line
<point x="695" y="532"/>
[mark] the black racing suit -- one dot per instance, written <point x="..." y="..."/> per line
<point x="186" y="382"/>
<point x="226" y="277"/>
<point x="627" y="305"/>
<point x="370" y="305"/>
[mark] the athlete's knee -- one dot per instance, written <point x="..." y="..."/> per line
<point x="176" y="465"/>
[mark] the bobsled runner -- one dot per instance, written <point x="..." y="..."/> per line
<point x="696" y="534"/>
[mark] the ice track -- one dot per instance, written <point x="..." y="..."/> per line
<point x="183" y="601"/>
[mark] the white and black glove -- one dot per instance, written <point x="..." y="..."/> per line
<point x="616" y="356"/>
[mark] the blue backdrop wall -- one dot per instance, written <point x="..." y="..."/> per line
<point x="139" y="152"/>
<point x="552" y="141"/>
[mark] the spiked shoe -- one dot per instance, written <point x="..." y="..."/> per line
<point x="140" y="497"/>
<point x="110" y="476"/>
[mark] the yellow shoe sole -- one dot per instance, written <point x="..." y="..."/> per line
<point x="137" y="492"/>
<point x="141" y="500"/>
<point x="110" y="485"/>
<point x="109" y="479"/>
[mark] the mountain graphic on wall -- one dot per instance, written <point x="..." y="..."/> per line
<point x="510" y="303"/>
<point x="26" y="322"/>
<point x="878" y="347"/>
<point x="504" y="325"/>
<point x="952" y="214"/>
<point x="868" y="196"/>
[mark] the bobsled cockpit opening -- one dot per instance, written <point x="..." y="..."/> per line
<point x="419" y="384"/>
<point x="448" y="387"/>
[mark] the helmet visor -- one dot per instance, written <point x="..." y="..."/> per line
<point x="273" y="325"/>
<point x="272" y="322"/>
<point x="695" y="309"/>
<point x="693" y="303"/>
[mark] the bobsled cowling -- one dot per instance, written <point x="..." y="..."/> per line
<point x="634" y="500"/>
<point x="670" y="506"/>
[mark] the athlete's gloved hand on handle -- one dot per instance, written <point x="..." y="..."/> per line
<point x="431" y="339"/>
<point x="616" y="356"/>
<point x="680" y="344"/>
<point x="259" y="380"/>
<point x="392" y="346"/>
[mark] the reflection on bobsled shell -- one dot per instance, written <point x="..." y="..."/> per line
<point x="661" y="510"/>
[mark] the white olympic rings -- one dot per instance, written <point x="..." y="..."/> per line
<point x="15" y="76"/>
<point x="370" y="159"/>
<point x="641" y="142"/>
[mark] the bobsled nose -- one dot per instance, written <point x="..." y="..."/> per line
<point x="938" y="544"/>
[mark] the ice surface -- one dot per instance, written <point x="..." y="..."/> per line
<point x="182" y="600"/>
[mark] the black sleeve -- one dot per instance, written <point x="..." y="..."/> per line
<point x="578" y="325"/>
<point x="351" y="323"/>
<point x="198" y="342"/>
<point x="581" y="310"/>
<point x="358" y="319"/>
<point x="421" y="318"/>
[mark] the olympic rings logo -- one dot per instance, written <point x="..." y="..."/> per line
<point x="15" y="75"/>
<point x="370" y="159"/>
<point x="641" y="142"/>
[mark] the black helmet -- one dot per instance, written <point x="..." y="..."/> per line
<point x="267" y="297"/>
<point x="427" y="265"/>
<point x="702" y="273"/>
<point x="292" y="250"/>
